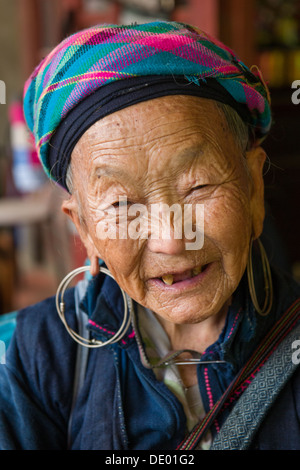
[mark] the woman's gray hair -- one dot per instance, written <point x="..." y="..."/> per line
<point x="69" y="178"/>
<point x="239" y="129"/>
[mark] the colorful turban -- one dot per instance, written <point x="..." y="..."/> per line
<point x="105" y="68"/>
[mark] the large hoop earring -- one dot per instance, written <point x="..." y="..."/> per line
<point x="60" y="307"/>
<point x="268" y="284"/>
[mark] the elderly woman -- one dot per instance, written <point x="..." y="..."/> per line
<point x="185" y="335"/>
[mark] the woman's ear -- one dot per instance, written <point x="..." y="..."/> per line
<point x="256" y="158"/>
<point x="72" y="209"/>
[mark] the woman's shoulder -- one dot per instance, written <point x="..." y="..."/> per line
<point x="43" y="314"/>
<point x="40" y="334"/>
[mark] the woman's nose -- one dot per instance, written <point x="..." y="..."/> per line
<point x="166" y="234"/>
<point x="173" y="232"/>
<point x="169" y="246"/>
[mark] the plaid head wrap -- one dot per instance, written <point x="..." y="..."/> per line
<point x="105" y="68"/>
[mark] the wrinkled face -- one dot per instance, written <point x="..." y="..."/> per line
<point x="171" y="150"/>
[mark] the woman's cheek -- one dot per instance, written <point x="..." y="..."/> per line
<point x="227" y="221"/>
<point x="120" y="255"/>
<point x="105" y="227"/>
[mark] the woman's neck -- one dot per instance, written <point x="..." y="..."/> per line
<point x="196" y="337"/>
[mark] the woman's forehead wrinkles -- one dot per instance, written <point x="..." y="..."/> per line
<point x="118" y="166"/>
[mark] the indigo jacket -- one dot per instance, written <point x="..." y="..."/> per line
<point x="121" y="404"/>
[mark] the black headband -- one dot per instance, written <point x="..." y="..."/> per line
<point x="119" y="95"/>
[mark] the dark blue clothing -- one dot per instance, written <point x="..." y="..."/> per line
<point x="122" y="405"/>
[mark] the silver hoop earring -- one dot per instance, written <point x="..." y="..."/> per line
<point x="268" y="284"/>
<point x="60" y="307"/>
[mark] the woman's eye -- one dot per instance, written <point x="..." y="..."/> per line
<point x="121" y="203"/>
<point x="200" y="186"/>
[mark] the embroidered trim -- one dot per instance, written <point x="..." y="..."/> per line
<point x="112" y="333"/>
<point x="210" y="397"/>
<point x="208" y="388"/>
<point x="234" y="323"/>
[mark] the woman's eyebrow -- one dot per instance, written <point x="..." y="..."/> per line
<point x="104" y="170"/>
<point x="189" y="154"/>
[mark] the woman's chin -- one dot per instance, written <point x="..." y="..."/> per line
<point x="191" y="300"/>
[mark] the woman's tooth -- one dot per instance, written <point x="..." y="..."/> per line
<point x="168" y="279"/>
<point x="197" y="270"/>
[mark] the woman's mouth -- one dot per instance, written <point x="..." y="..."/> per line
<point x="170" y="279"/>
<point x="178" y="281"/>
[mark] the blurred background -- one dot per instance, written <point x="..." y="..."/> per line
<point x="37" y="244"/>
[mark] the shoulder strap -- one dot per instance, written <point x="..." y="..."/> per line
<point x="248" y="373"/>
<point x="82" y="352"/>
<point x="238" y="430"/>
